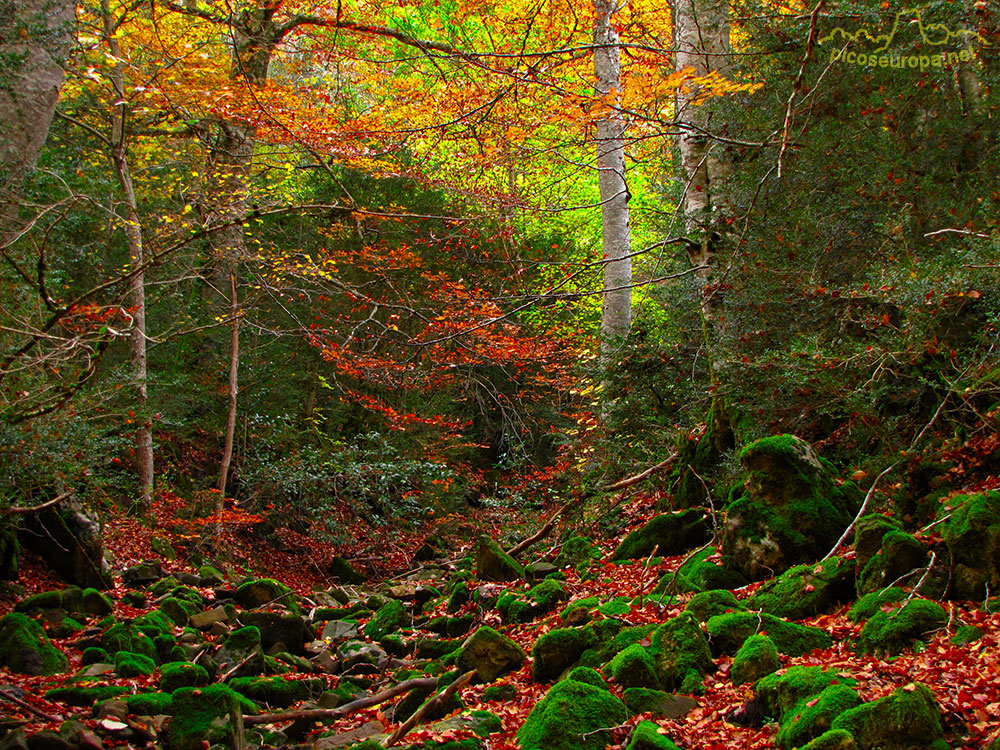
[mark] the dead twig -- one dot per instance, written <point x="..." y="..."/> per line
<point x="18" y="702"/>
<point x="628" y="482"/>
<point x="403" y="729"/>
<point x="540" y="534"/>
<point x="35" y="508"/>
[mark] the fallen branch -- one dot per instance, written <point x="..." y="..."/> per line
<point x="626" y="483"/>
<point x="231" y="671"/>
<point x="18" y="702"/>
<point x="541" y="533"/>
<point x="34" y="508"/>
<point x="332" y="713"/>
<point x="861" y="511"/>
<point x="403" y="729"/>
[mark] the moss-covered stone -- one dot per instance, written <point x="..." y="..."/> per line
<point x="572" y="716"/>
<point x="493" y="564"/>
<point x="179" y="611"/>
<point x="578" y="612"/>
<point x="966" y="634"/>
<point x="41" y="601"/>
<point x="812" y="717"/>
<point x="341" y="570"/>
<point x="490" y="654"/>
<point x="266" y="591"/>
<point x="576" y="551"/>
<point x="80" y="695"/>
<point x="728" y="632"/>
<point x="288" y="631"/>
<point x="791" y="509"/>
<point x="708" y="604"/>
<point x="972" y="533"/>
<point x="94" y="655"/>
<point x="25" y="649"/>
<point x="871" y="603"/>
<point x="389" y="618"/>
<point x="701" y="574"/>
<point x="182" y="674"/>
<point x="129" y="664"/>
<point x="835" y="739"/>
<point x="900" y="554"/>
<point x="451" y="626"/>
<point x="681" y="653"/>
<point x="539" y="600"/>
<point x="67" y="627"/>
<point x="153" y="623"/>
<point x="556" y="651"/>
<point x="908" y="719"/>
<point x="780" y="693"/>
<point x="805" y="591"/>
<point x="891" y="632"/>
<point x="757" y="657"/>
<point x="634" y="667"/>
<point x="646" y="736"/>
<point x="276" y="691"/>
<point x="201" y="716"/>
<point x="868" y="534"/>
<point x="589" y="675"/>
<point x="670" y="533"/>
<point x="242" y="647"/>
<point x="657" y="703"/>
<point x="126" y="636"/>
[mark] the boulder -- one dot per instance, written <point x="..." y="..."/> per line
<point x="791" y="510"/>
<point x="634" y="667"/>
<point x="266" y="592"/>
<point x="668" y="533"/>
<point x="573" y="715"/>
<point x="900" y="560"/>
<point x="142" y="574"/>
<point x="342" y="571"/>
<point x="900" y="628"/>
<point x="576" y="552"/>
<point x="389" y="618"/>
<point x="710" y="603"/>
<point x="658" y="703"/>
<point x="25" y="649"/>
<point x="972" y="533"/>
<point x="757" y="657"/>
<point x="493" y="564"/>
<point x="242" y="649"/>
<point x="556" y="651"/>
<point x="805" y="591"/>
<point x="69" y="540"/>
<point x="681" y="653"/>
<point x="812" y="717"/>
<point x="490" y="654"/>
<point x="290" y="631"/>
<point x="9" y="552"/>
<point x="201" y="717"/>
<point x="646" y="736"/>
<point x="728" y="632"/>
<point x="907" y="719"/>
<point x="538" y="600"/>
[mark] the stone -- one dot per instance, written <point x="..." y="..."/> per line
<point x="646" y="736"/>
<point x="490" y="654"/>
<point x="337" y="630"/>
<point x="342" y="571"/>
<point x="142" y="574"/>
<point x="201" y="717"/>
<point x="25" y="649"/>
<point x="69" y="540"/>
<point x="266" y="592"/>
<point x="668" y="533"/>
<point x="972" y="533"/>
<point x="241" y="648"/>
<point x="681" y="653"/>
<point x="907" y="719"/>
<point x="805" y="591"/>
<point x="573" y="715"/>
<point x="658" y="703"/>
<point x="556" y="651"/>
<point x="206" y="619"/>
<point x="728" y="632"/>
<point x="538" y="600"/>
<point x="493" y="564"/>
<point x="756" y="658"/>
<point x="389" y="618"/>
<point x="349" y="738"/>
<point x="891" y="632"/>
<point x="899" y="561"/>
<point x="290" y="630"/>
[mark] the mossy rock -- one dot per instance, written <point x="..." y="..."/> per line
<point x="972" y="533"/>
<point x="791" y="508"/>
<point x="539" y="600"/>
<point x="149" y="704"/>
<point x="699" y="574"/>
<point x="609" y="638"/>
<point x="129" y="664"/>
<point x="573" y="715"/>
<point x="356" y="610"/>
<point x="907" y="719"/>
<point x="287" y="630"/>
<point x="646" y="736"/>
<point x="493" y="564"/>
<point x="589" y="675"/>
<point x="554" y="652"/>
<point x="502" y="693"/>
<point x="966" y="634"/>
<point x="41" y="601"/>
<point x="578" y="612"/>
<point x="708" y="604"/>
<point x="658" y="703"/>
<point x="179" y="610"/>
<point x="634" y="667"/>
<point x="153" y="623"/>
<point x="728" y="632"/>
<point x="868" y="534"/>
<point x="577" y="551"/>
<point x="451" y="626"/>
<point x="67" y="627"/>
<point x="201" y="716"/>
<point x="900" y="554"/>
<point x="276" y="691"/>
<point x="812" y="717"/>
<point x="84" y="696"/>
<point x="681" y="653"/>
<point x="25" y="649"/>
<point x="835" y="739"/>
<point x="780" y="693"/>
<point x="617" y="606"/>
<point x="266" y="591"/>
<point x="94" y="655"/>
<point x="490" y="654"/>
<point x="869" y="604"/>
<point x="892" y="632"/>
<point x="242" y="647"/>
<point x="389" y="618"/>
<point x="805" y="591"/>
<point x="757" y="657"/>
<point x="182" y="674"/>
<point x="671" y="533"/>
<point x="342" y="571"/>
<point x="435" y="648"/>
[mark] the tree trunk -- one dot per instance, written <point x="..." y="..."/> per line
<point x="616" y="301"/>
<point x="234" y="363"/>
<point x="137" y="287"/>
<point x="35" y="39"/>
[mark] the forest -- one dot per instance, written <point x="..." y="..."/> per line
<point x="485" y="375"/>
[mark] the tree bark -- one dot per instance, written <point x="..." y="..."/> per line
<point x="234" y="364"/>
<point x="616" y="301"/>
<point x="137" y="287"/>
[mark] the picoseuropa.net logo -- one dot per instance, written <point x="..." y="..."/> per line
<point x="947" y="47"/>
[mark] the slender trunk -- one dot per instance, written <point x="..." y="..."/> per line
<point x="616" y="301"/>
<point x="234" y="362"/>
<point x="137" y="288"/>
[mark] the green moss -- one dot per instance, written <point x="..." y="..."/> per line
<point x="901" y="554"/>
<point x="811" y="717"/>
<point x="609" y="638"/>
<point x="490" y="654"/>
<point x="182" y="674"/>
<point x="908" y="719"/>
<point x="556" y="651"/>
<point x="646" y="736"/>
<point x="578" y="612"/>
<point x="435" y="648"/>
<point x="681" y="653"/>
<point x="129" y="664"/>
<point x="242" y="646"/>
<point x="966" y="634"/>
<point x="710" y="603"/>
<point x="358" y="609"/>
<point x="276" y="691"/>
<point x="572" y="716"/>
<point x="868" y="533"/>
<point x="835" y="739"/>
<point x="84" y="696"/>
<point x="25" y="649"/>
<point x="94" y="655"/>
<point x="728" y="632"/>
<point x="67" y="627"/>
<point x="266" y="591"/>
<point x="634" y="667"/>
<point x="201" y="715"/>
<point x="42" y="601"/>
<point x="149" y="704"/>
<point x="538" y="601"/>
<point x="341" y="570"/>
<point x="153" y="623"/>
<point x="757" y="657"/>
<point x="179" y="611"/>
<point x="805" y="591"/>
<point x="388" y="619"/>
<point x="576" y="551"/>
<point x="780" y="693"/>
<point x="670" y="533"/>
<point x="972" y="533"/>
<point x="616" y="607"/>
<point x="394" y="646"/>
<point x="493" y="564"/>
<point x="871" y="603"/>
<point x="502" y="693"/>
<point x="891" y="632"/>
<point x="588" y="675"/>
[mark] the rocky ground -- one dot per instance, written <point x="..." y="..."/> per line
<point x="698" y="630"/>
